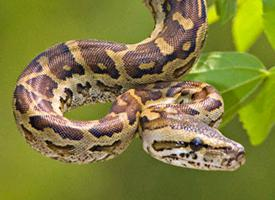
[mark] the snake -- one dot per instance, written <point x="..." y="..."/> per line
<point x="176" y="120"/>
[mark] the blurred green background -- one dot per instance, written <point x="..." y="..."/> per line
<point x="29" y="27"/>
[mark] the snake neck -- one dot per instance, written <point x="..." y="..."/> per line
<point x="190" y="14"/>
<point x="175" y="43"/>
<point x="157" y="10"/>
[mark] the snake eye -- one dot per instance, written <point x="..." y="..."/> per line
<point x="196" y="144"/>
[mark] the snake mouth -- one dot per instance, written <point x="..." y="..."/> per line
<point x="240" y="158"/>
<point x="235" y="161"/>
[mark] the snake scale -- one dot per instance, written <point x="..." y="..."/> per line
<point x="177" y="121"/>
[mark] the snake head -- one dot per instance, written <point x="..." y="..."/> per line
<point x="191" y="143"/>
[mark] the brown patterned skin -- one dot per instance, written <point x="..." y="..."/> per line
<point x="173" y="118"/>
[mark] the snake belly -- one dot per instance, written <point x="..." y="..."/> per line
<point x="176" y="120"/>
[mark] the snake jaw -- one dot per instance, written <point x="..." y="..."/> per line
<point x="234" y="159"/>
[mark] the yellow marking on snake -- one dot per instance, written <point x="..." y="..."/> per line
<point x="164" y="47"/>
<point x="186" y="46"/>
<point x="147" y="65"/>
<point x="67" y="68"/>
<point x="101" y="66"/>
<point x="199" y="8"/>
<point x="186" y="23"/>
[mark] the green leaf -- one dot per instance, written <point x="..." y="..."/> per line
<point x="269" y="20"/>
<point x="235" y="75"/>
<point x="226" y="9"/>
<point x="258" y="117"/>
<point x="248" y="23"/>
<point x="212" y="15"/>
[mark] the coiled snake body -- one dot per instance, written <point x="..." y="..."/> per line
<point x="177" y="121"/>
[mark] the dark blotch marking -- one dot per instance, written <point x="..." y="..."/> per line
<point x="172" y="156"/>
<point x="83" y="89"/>
<point x="116" y="89"/>
<point x="155" y="124"/>
<point x="225" y="149"/>
<point x="60" y="150"/>
<point x="194" y="156"/>
<point x="207" y="165"/>
<point x="172" y="91"/>
<point x="94" y="52"/>
<point x="184" y="93"/>
<point x="166" y="7"/>
<point x="106" y="148"/>
<point x="67" y="100"/>
<point x="44" y="105"/>
<point x="182" y="155"/>
<point x="144" y="120"/>
<point x="212" y="104"/>
<point x="107" y="126"/>
<point x="131" y="107"/>
<point x="145" y="53"/>
<point x="43" y="84"/>
<point x="58" y="125"/>
<point x="178" y="88"/>
<point x="187" y="155"/>
<point x="161" y="85"/>
<point x="200" y="95"/>
<point x="191" y="111"/>
<point x="213" y="122"/>
<point x="60" y="57"/>
<point x="33" y="67"/>
<point x="147" y="95"/>
<point x="191" y="162"/>
<point x="28" y="135"/>
<point x="23" y="98"/>
<point x="168" y="145"/>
